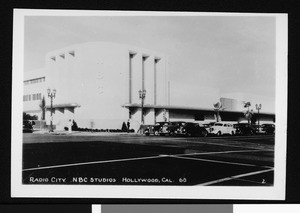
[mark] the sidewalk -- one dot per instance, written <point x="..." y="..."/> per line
<point x="81" y="133"/>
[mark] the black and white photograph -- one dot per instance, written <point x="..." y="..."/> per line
<point x="123" y="104"/>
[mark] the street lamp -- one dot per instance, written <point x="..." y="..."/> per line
<point x="142" y="95"/>
<point x="258" y="107"/>
<point x="51" y="95"/>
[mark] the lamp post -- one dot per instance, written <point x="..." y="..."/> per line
<point x="142" y="95"/>
<point x="258" y="107"/>
<point x="51" y="95"/>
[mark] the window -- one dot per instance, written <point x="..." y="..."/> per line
<point x="36" y="96"/>
<point x="33" y="97"/>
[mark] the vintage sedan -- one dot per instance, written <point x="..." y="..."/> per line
<point x="27" y="126"/>
<point x="156" y="129"/>
<point x="221" y="128"/>
<point x="191" y="129"/>
<point x="245" y="129"/>
<point x="267" y="128"/>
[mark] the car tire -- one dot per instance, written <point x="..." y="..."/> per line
<point x="232" y="133"/>
<point x="219" y="133"/>
<point x="204" y="134"/>
<point x="156" y="133"/>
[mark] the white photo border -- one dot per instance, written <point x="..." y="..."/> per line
<point x="276" y="192"/>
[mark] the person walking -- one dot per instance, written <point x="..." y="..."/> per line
<point x="128" y="125"/>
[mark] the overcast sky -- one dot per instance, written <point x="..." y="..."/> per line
<point x="230" y="53"/>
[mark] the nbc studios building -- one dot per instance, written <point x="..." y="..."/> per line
<point x="97" y="85"/>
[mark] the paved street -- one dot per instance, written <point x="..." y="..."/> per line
<point x="131" y="159"/>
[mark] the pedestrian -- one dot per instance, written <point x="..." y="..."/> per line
<point x="70" y="124"/>
<point x="128" y="125"/>
<point x="74" y="126"/>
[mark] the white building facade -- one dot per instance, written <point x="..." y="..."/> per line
<point x="97" y="85"/>
<point x="94" y="82"/>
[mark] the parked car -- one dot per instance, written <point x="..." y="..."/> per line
<point x="267" y="128"/>
<point x="156" y="129"/>
<point x="169" y="128"/>
<point x="148" y="130"/>
<point x="27" y="126"/>
<point x="245" y="129"/>
<point x="208" y="126"/>
<point x="257" y="128"/>
<point x="190" y="129"/>
<point x="221" y="128"/>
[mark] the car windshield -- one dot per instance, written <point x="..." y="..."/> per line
<point x="161" y="123"/>
<point x="218" y="124"/>
<point x="266" y="125"/>
<point x="178" y="123"/>
<point x="26" y="122"/>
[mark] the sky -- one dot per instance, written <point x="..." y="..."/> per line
<point x="229" y="53"/>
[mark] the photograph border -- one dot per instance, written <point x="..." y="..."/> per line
<point x="276" y="192"/>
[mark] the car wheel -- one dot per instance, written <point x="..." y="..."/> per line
<point x="204" y="134"/>
<point x="232" y="132"/>
<point x="219" y="133"/>
<point x="156" y="133"/>
<point x="171" y="133"/>
<point x="147" y="134"/>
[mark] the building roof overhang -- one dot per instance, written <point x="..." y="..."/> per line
<point x="186" y="108"/>
<point x="65" y="105"/>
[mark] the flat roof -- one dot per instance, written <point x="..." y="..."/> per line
<point x="66" y="105"/>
